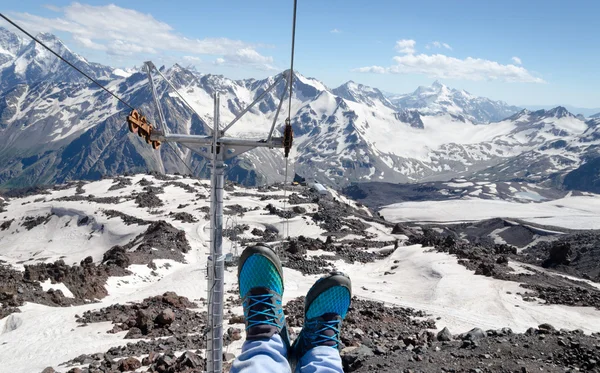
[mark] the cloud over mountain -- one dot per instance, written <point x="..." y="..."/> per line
<point x="446" y="67"/>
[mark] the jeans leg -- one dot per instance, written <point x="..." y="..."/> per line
<point x="321" y="359"/>
<point x="264" y="356"/>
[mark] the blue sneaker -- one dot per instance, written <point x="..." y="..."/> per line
<point x="326" y="305"/>
<point x="260" y="278"/>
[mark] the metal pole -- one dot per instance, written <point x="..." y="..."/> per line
<point x="217" y="269"/>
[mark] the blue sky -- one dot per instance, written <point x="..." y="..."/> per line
<point x="522" y="52"/>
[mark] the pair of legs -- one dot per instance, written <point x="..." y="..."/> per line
<point x="267" y="347"/>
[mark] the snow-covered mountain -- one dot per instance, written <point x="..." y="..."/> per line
<point x="361" y="93"/>
<point x="595" y="115"/>
<point x="57" y="127"/>
<point x="439" y="98"/>
<point x="586" y="112"/>
<point x="10" y="46"/>
<point x="33" y="63"/>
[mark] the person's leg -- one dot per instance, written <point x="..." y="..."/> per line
<point x="264" y="355"/>
<point x="260" y="278"/>
<point x="316" y="350"/>
<point x="320" y="359"/>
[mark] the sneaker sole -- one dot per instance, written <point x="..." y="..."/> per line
<point x="334" y="279"/>
<point x="261" y="250"/>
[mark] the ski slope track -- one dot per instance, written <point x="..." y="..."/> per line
<point x="41" y="336"/>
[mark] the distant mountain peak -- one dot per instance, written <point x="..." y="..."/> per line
<point x="361" y="93"/>
<point x="25" y="61"/>
<point x="46" y="36"/>
<point x="11" y="45"/>
<point x="559" y="112"/>
<point x="441" y="99"/>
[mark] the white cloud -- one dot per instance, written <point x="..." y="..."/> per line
<point x="53" y="8"/>
<point x="406" y="46"/>
<point x="437" y="44"/>
<point x="517" y="60"/>
<point x="192" y="59"/>
<point x="445" y="67"/>
<point x="124" y="32"/>
<point x="335" y="31"/>
<point x="247" y="56"/>
<point x="371" y="69"/>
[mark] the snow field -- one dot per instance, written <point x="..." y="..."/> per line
<point x="574" y="212"/>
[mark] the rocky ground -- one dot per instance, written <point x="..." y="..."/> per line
<point x="489" y="259"/>
<point x="383" y="338"/>
<point x="575" y="254"/>
<point x="166" y="333"/>
<point x="488" y="232"/>
<point x="379" y="194"/>
<point x="173" y="333"/>
<point x="376" y="338"/>
<point x="87" y="279"/>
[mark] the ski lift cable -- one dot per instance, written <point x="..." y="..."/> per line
<point x="152" y="66"/>
<point x="281" y="100"/>
<point x="149" y="67"/>
<point x="241" y="114"/>
<point x="156" y="97"/>
<point x="65" y="61"/>
<point x="292" y="58"/>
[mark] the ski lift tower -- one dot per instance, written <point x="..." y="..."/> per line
<point x="218" y="148"/>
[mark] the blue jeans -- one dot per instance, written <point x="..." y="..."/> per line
<point x="270" y="356"/>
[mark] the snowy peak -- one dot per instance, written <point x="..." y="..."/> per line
<point x="10" y="42"/>
<point x="519" y="116"/>
<point x="361" y="93"/>
<point x="307" y="88"/>
<point x="595" y="115"/>
<point x="10" y="45"/>
<point x="30" y="63"/>
<point x="441" y="99"/>
<point x="559" y="112"/>
<point x="556" y="113"/>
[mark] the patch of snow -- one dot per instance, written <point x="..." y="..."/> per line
<point x="531" y="196"/>
<point x="122" y="73"/>
<point x="47" y="285"/>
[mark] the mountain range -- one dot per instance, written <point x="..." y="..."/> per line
<point x="57" y="126"/>
<point x="587" y="112"/>
<point x="441" y="99"/>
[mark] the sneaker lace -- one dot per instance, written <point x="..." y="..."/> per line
<point x="318" y="328"/>
<point x="262" y="310"/>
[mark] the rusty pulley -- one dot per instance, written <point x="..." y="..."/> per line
<point x="139" y="124"/>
